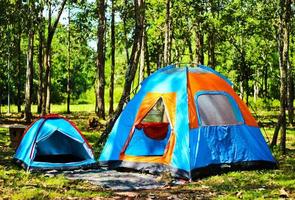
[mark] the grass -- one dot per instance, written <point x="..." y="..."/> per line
<point x="16" y="183"/>
<point x="57" y="108"/>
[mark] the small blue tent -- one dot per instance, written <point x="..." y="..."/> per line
<point x="190" y="122"/>
<point x="53" y="142"/>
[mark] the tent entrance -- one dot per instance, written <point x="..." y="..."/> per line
<point x="151" y="135"/>
<point x="59" y="158"/>
<point x="60" y="148"/>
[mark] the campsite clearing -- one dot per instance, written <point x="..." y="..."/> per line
<point x="16" y="183"/>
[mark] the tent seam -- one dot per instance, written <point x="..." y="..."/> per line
<point x="188" y="124"/>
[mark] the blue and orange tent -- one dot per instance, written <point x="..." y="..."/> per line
<point x="188" y="121"/>
<point x="54" y="142"/>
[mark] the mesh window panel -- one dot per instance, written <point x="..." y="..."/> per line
<point x="215" y="109"/>
<point x="157" y="113"/>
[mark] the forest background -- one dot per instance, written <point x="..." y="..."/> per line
<point x="97" y="52"/>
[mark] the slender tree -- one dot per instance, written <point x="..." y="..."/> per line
<point x="132" y="66"/>
<point x="147" y="54"/>
<point x="290" y="86"/>
<point x="69" y="59"/>
<point x="167" y="44"/>
<point x="48" y="90"/>
<point x="199" y="32"/>
<point x="18" y="55"/>
<point x="212" y="37"/>
<point x="142" y="58"/>
<point x="40" y="58"/>
<point x="30" y="67"/>
<point x="113" y="63"/>
<point x="8" y="74"/>
<point x="199" y="45"/>
<point x="100" y="61"/>
<point x="51" y="30"/>
<point x="283" y="45"/>
<point x="124" y="18"/>
<point x="29" y="77"/>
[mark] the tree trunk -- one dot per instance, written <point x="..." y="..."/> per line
<point x="247" y="88"/>
<point x="29" y="76"/>
<point x="8" y="83"/>
<point x="290" y="97"/>
<point x="256" y="87"/>
<point x="47" y="64"/>
<point x="241" y="89"/>
<point x="142" y="59"/>
<point x="100" y="61"/>
<point x="285" y="23"/>
<point x="18" y="57"/>
<point x="167" y="44"/>
<point x="211" y="39"/>
<point x="199" y="46"/>
<point x="265" y="81"/>
<point x="245" y="74"/>
<point x="147" y="55"/>
<point x="69" y="60"/>
<point x="113" y="51"/>
<point x="276" y="132"/>
<point x="211" y="49"/>
<point x="190" y="49"/>
<point x="256" y="91"/>
<point x="48" y="91"/>
<point x="18" y="71"/>
<point x="159" y="60"/>
<point x="283" y="43"/>
<point x="132" y="67"/>
<point x="125" y="34"/>
<point x="40" y="63"/>
<point x="290" y="93"/>
<point x="51" y="31"/>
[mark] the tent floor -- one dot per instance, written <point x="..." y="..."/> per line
<point x="60" y="158"/>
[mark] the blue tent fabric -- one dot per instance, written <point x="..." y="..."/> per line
<point x="194" y="148"/>
<point x="119" y="134"/>
<point x="52" y="137"/>
<point x="227" y="144"/>
<point x="141" y="145"/>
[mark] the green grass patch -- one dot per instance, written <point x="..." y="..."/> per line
<point x="16" y="183"/>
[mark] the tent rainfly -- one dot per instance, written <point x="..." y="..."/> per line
<point x="190" y="122"/>
<point x="53" y="142"/>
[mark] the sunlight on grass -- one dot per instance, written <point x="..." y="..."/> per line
<point x="16" y="183"/>
<point x="56" y="108"/>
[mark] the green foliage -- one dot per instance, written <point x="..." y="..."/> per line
<point x="10" y="16"/>
<point x="244" y="36"/>
<point x="82" y="67"/>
